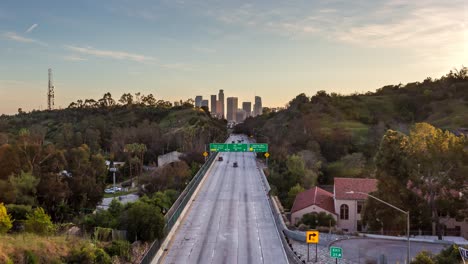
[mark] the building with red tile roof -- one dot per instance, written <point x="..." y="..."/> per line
<point x="313" y="200"/>
<point x="349" y="205"/>
<point x="345" y="207"/>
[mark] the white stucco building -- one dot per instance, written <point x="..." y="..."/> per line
<point x="345" y="208"/>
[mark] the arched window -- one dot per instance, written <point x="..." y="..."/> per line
<point x="344" y="212"/>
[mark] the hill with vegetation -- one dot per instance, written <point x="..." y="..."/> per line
<point x="55" y="161"/>
<point x="327" y="135"/>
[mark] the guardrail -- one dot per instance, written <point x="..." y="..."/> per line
<point x="176" y="209"/>
<point x="292" y="257"/>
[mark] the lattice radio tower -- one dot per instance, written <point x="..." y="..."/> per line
<point x="50" y="92"/>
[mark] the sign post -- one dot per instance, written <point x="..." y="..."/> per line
<point x="312" y="237"/>
<point x="336" y="252"/>
<point x="266" y="156"/>
<point x="113" y="170"/>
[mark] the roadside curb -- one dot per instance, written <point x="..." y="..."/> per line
<point x="442" y="242"/>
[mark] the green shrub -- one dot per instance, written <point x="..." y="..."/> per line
<point x="30" y="258"/>
<point x="142" y="221"/>
<point x="448" y="255"/>
<point x="88" y="254"/>
<point x="19" y="211"/>
<point x="318" y="219"/>
<point x="423" y="257"/>
<point x="102" y="257"/>
<point x="38" y="222"/>
<point x="84" y="255"/>
<point x="119" y="248"/>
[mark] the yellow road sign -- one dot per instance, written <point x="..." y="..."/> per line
<point x="312" y="237"/>
<point x="205" y="153"/>
<point x="267" y="155"/>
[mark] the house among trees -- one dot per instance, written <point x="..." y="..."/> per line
<point x="344" y="207"/>
<point x="315" y="200"/>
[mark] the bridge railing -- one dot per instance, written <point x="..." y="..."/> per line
<point x="176" y="209"/>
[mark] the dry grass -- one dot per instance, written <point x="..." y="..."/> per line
<point x="47" y="249"/>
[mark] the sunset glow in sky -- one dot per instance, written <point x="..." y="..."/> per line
<point x="176" y="49"/>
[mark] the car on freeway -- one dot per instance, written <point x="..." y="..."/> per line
<point x="113" y="190"/>
<point x="220" y="158"/>
<point x="235" y="164"/>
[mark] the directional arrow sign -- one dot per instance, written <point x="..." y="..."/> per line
<point x="312" y="237"/>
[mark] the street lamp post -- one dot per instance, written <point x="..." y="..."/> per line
<point x="113" y="170"/>
<point x="396" y="208"/>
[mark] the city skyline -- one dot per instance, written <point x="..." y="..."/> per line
<point x="177" y="49"/>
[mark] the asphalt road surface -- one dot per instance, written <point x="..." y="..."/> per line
<point x="362" y="249"/>
<point x="230" y="220"/>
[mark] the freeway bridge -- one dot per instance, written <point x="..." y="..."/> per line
<point x="230" y="220"/>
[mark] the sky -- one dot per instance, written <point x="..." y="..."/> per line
<point x="177" y="49"/>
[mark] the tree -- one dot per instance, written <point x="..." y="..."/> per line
<point x="88" y="177"/>
<point x="136" y="153"/>
<point x="9" y="161"/>
<point x="38" y="222"/>
<point x="293" y="192"/>
<point x="5" y="220"/>
<point x="106" y="100"/>
<point x="436" y="157"/>
<point x="25" y="187"/>
<point x="392" y="175"/>
<point x="423" y="172"/>
<point x="143" y="221"/>
<point x="126" y="99"/>
<point x="149" y="100"/>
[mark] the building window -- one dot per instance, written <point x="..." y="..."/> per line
<point x="344" y="212"/>
<point x="360" y="205"/>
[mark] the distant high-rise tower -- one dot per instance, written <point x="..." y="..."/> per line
<point x="204" y="103"/>
<point x="240" y="115"/>
<point x="231" y="111"/>
<point x="213" y="105"/>
<point x="198" y="100"/>
<point x="50" y="92"/>
<point x="258" y="109"/>
<point x="221" y="99"/>
<point x="247" y="107"/>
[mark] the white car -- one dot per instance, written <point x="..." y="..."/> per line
<point x="113" y="190"/>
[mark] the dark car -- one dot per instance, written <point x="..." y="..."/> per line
<point x="220" y="158"/>
<point x="234" y="164"/>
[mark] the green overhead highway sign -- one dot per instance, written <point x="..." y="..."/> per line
<point x="336" y="252"/>
<point x="223" y="147"/>
<point x="258" y="147"/>
<point x="218" y="147"/>
<point x="238" y="147"/>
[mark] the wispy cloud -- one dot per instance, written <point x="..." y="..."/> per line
<point x="178" y="66"/>
<point x="15" y="37"/>
<point x="429" y="29"/>
<point x="74" y="58"/>
<point x="119" y="55"/>
<point x="31" y="28"/>
<point x="204" y="49"/>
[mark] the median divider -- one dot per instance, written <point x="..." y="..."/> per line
<point x="177" y="211"/>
